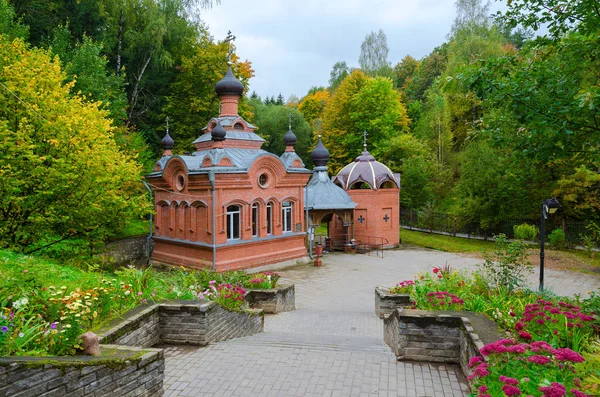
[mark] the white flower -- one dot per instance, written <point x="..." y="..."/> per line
<point x="127" y="292"/>
<point x="21" y="334"/>
<point x="20" y="303"/>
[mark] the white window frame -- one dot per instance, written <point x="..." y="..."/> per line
<point x="269" y="219"/>
<point x="231" y="215"/>
<point x="286" y="216"/>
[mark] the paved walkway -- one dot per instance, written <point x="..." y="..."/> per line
<point x="332" y="345"/>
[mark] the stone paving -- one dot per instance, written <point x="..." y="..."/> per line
<point x="332" y="345"/>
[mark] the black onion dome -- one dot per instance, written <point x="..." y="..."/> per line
<point x="320" y="156"/>
<point x="218" y="133"/>
<point x="167" y="142"/>
<point x="229" y="85"/>
<point x="289" y="138"/>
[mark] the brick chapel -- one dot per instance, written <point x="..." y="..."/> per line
<point x="233" y="205"/>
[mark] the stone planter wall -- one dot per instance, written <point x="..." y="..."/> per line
<point x="438" y="336"/>
<point x="386" y="303"/>
<point x="127" y="366"/>
<point x="182" y="322"/>
<point x="119" y="371"/>
<point x="277" y="300"/>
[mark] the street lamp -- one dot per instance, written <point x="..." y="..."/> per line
<point x="549" y="206"/>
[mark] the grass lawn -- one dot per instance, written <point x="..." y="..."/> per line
<point x="574" y="260"/>
<point x="444" y="243"/>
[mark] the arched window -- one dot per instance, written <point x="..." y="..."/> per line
<point x="238" y="126"/>
<point x="254" y="220"/>
<point x="269" y="218"/>
<point x="233" y="222"/>
<point x="286" y="216"/>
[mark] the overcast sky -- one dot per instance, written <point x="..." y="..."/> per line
<point x="293" y="44"/>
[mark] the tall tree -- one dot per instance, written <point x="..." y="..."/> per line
<point x="339" y="72"/>
<point x="273" y="124"/>
<point x="312" y="105"/>
<point x="9" y="24"/>
<point x="193" y="100"/>
<point x="404" y="71"/>
<point x="373" y="59"/>
<point x="61" y="172"/>
<point x="361" y="103"/>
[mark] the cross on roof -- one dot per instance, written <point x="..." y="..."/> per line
<point x="290" y="120"/>
<point x="229" y="40"/>
<point x="365" y="133"/>
<point x="167" y="118"/>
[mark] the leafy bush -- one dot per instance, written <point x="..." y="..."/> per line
<point x="557" y="239"/>
<point x="525" y="231"/>
<point x="507" y="264"/>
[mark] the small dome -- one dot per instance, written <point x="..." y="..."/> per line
<point x="167" y="142"/>
<point x="320" y="156"/>
<point x="229" y="85"/>
<point x="218" y="133"/>
<point x="290" y="138"/>
<point x="365" y="169"/>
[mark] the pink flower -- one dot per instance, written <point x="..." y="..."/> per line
<point x="475" y="360"/>
<point x="482" y="389"/>
<point x="537" y="359"/>
<point x="519" y="326"/>
<point x="509" y="381"/>
<point x="435" y="270"/>
<point x="511" y="390"/>
<point x="525" y="335"/>
<point x="554" y="390"/>
<point x="566" y="354"/>
<point x="140" y="293"/>
<point x="578" y="393"/>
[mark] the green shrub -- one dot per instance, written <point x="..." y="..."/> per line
<point x="557" y="239"/>
<point x="525" y="231"/>
<point x="507" y="264"/>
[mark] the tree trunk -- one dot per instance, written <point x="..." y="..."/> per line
<point x="137" y="89"/>
<point x="120" y="42"/>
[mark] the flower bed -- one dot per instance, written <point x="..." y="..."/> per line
<point x="565" y="328"/>
<point x="45" y="307"/>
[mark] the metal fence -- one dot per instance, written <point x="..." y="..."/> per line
<point x="441" y="222"/>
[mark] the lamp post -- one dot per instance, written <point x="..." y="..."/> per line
<point x="549" y="206"/>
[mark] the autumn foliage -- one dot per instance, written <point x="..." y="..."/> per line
<point x="61" y="173"/>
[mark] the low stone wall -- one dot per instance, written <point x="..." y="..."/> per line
<point x="438" y="336"/>
<point x="119" y="371"/>
<point x="181" y="322"/>
<point x="128" y="250"/>
<point x="199" y="324"/>
<point x="277" y="300"/>
<point x="127" y="366"/>
<point x="386" y="303"/>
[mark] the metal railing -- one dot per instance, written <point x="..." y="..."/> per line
<point x="445" y="223"/>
